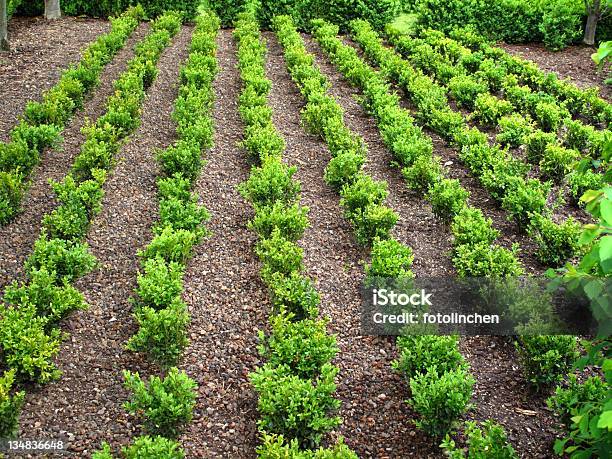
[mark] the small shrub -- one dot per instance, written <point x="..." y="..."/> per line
<point x="10" y="406"/>
<point x="183" y="158"/>
<point x="525" y="198"/>
<point x="465" y="89"/>
<point x="470" y="226"/>
<point x="375" y="221"/>
<point x="566" y="401"/>
<point x="420" y="352"/>
<point x="166" y="404"/>
<point x="489" y="109"/>
<point x="171" y="245"/>
<point x="176" y="186"/>
<point x="549" y="116"/>
<point x="514" y="129"/>
<point x="162" y="335"/>
<point x="153" y="448"/>
<point x="390" y="259"/>
<point x="303" y="346"/>
<point x="275" y="447"/>
<point x="557" y="243"/>
<point x="546" y="358"/>
<point x="447" y="198"/>
<point x="182" y="215"/>
<point x="343" y="169"/>
<point x="489" y="441"/>
<point x="37" y="139"/>
<point x="580" y="182"/>
<point x="279" y="255"/>
<point x="557" y="162"/>
<point x="291" y="221"/>
<point x="537" y="142"/>
<point x="270" y="183"/>
<point x="161" y="284"/>
<point x="364" y="191"/>
<point x="67" y="260"/>
<point x="295" y="407"/>
<point x="12" y="190"/>
<point x="482" y="260"/>
<point x="440" y="398"/>
<point x="294" y="295"/>
<point x="423" y="173"/>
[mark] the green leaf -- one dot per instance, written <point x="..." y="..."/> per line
<point x="605" y="420"/>
<point x="606" y="210"/>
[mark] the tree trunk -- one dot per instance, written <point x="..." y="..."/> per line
<point x="4" y="44"/>
<point x="52" y="9"/>
<point x="594" y="13"/>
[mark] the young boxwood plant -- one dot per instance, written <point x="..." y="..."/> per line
<point x="487" y="440"/>
<point x="10" y="406"/>
<point x="144" y="447"/>
<point x="291" y="221"/>
<point x="275" y="446"/>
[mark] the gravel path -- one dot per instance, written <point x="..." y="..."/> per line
<point x="86" y="403"/>
<point x="18" y="237"/>
<point x="376" y="420"/>
<point x="40" y="51"/>
<point x="227" y="301"/>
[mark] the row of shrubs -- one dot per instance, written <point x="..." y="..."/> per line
<point x="499" y="172"/>
<point x="545" y="358"/>
<point x="42" y="123"/>
<point x="471" y="80"/>
<point x="29" y="336"/>
<point x="580" y="102"/>
<point x="557" y="23"/>
<point x="297" y="383"/>
<point x="166" y="404"/>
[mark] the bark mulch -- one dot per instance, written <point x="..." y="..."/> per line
<point x="18" y="237"/>
<point x="85" y="405"/>
<point x="501" y="391"/>
<point x="40" y="51"/>
<point x="227" y="300"/>
<point x="573" y="62"/>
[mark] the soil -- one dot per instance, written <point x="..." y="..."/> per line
<point x="573" y="62"/>
<point x="85" y="405"/>
<point x="40" y="51"/>
<point x="18" y="237"/>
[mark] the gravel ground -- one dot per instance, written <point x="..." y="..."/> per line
<point x="573" y="62"/>
<point x="40" y="51"/>
<point x="18" y="237"/>
<point x="501" y="391"/>
<point x="86" y="403"/>
<point x="227" y="300"/>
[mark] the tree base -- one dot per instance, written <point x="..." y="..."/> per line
<point x="4" y="45"/>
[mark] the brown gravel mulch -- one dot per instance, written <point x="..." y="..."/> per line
<point x="227" y="300"/>
<point x="501" y="391"/>
<point x="85" y="404"/>
<point x="40" y="51"/>
<point x="18" y="237"/>
<point x="573" y="62"/>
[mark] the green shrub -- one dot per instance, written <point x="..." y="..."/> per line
<point x="303" y="346"/>
<point x="489" y="109"/>
<point x="567" y="401"/>
<point x="525" y="198"/>
<point x="37" y="139"/>
<point x="537" y="142"/>
<point x="489" y="441"/>
<point x="12" y="190"/>
<point x="227" y="10"/>
<point x="561" y="24"/>
<point x="424" y="172"/>
<point x="270" y="183"/>
<point x="183" y="158"/>
<point x="274" y="447"/>
<point x="279" y="255"/>
<point x="94" y="155"/>
<point x="10" y="406"/>
<point x="484" y="260"/>
<point x="53" y="300"/>
<point x="580" y="182"/>
<point x="291" y="221"/>
<point x="390" y="259"/>
<point x="364" y="191"/>
<point x="162" y="335"/>
<point x="464" y="89"/>
<point x="294" y="295"/>
<point x="161" y="284"/>
<point x="295" y="407"/>
<point x="166" y="404"/>
<point x="440" y="398"/>
<point x="420" y="352"/>
<point x="549" y="116"/>
<point x="372" y="222"/>
<point x="470" y="226"/>
<point x="67" y="260"/>
<point x="171" y="245"/>
<point x="26" y="346"/>
<point x="343" y="169"/>
<point x="557" y="243"/>
<point x="447" y="198"/>
<point x="176" y="186"/>
<point x="514" y="129"/>
<point x="180" y="215"/>
<point x="546" y="358"/>
<point x="557" y="162"/>
<point x="153" y="448"/>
